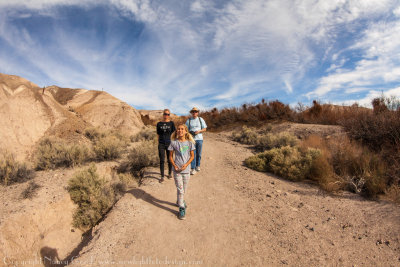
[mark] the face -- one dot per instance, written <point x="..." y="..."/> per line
<point x="166" y="115"/>
<point x="194" y="113"/>
<point x="181" y="131"/>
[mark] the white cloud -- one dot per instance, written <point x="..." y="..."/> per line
<point x="380" y="49"/>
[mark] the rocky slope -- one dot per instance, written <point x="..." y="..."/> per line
<point x="28" y="112"/>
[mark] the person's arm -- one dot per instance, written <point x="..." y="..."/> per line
<point x="189" y="161"/>
<point x="173" y="129"/>
<point x="204" y="128"/>
<point x="171" y="159"/>
<point x="158" y="129"/>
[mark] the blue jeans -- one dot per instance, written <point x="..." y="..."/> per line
<point x="197" y="154"/>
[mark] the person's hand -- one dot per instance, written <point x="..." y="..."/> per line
<point x="197" y="132"/>
<point x="183" y="167"/>
<point x="176" y="168"/>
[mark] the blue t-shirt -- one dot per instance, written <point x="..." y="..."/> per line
<point x="195" y="125"/>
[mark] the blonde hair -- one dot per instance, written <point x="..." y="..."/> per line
<point x="188" y="136"/>
<point x="167" y="110"/>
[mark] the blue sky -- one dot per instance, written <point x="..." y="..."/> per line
<point x="179" y="54"/>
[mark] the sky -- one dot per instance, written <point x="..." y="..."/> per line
<point x="178" y="54"/>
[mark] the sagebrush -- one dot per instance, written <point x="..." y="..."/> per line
<point x="13" y="171"/>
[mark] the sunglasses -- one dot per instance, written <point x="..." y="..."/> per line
<point x="194" y="111"/>
<point x="166" y="114"/>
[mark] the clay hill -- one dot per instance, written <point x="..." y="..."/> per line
<point x="28" y="112"/>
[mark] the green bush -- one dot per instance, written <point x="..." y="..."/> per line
<point x="288" y="162"/>
<point x="93" y="196"/>
<point x="12" y="171"/>
<point x="53" y="153"/>
<point x="141" y="156"/>
<point x="145" y="134"/>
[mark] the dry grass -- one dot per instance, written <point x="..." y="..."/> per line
<point x="108" y="148"/>
<point x="12" y="171"/>
<point x="145" y="134"/>
<point x="53" y="153"/>
<point x="141" y="156"/>
<point x="31" y="190"/>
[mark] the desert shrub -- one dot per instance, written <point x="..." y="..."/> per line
<point x="393" y="193"/>
<point x="94" y="133"/>
<point x="269" y="141"/>
<point x="262" y="139"/>
<point x="288" y="162"/>
<point x="246" y="135"/>
<point x="141" y="156"/>
<point x="12" y="171"/>
<point x="31" y="190"/>
<point x="347" y="165"/>
<point x="53" y="153"/>
<point x="147" y="133"/>
<point x="108" y="147"/>
<point x="93" y="196"/>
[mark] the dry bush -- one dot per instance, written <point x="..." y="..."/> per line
<point x="31" y="190"/>
<point x="12" y="171"/>
<point x="94" y="133"/>
<point x="108" y="148"/>
<point x="53" y="153"/>
<point x="393" y="193"/>
<point x="288" y="162"/>
<point x="93" y="195"/>
<point x="269" y="141"/>
<point x="246" y="135"/>
<point x="347" y="165"/>
<point x="262" y="139"/>
<point x="146" y="133"/>
<point x="141" y="156"/>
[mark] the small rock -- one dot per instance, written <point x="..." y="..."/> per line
<point x="72" y="230"/>
<point x="379" y="242"/>
<point x="272" y="182"/>
<point x="387" y="243"/>
<point x="268" y="195"/>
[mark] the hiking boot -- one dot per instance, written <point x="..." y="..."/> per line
<point x="182" y="213"/>
<point x="193" y="172"/>
<point x="198" y="168"/>
<point x="161" y="180"/>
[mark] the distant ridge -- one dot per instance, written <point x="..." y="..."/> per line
<point x="28" y="112"/>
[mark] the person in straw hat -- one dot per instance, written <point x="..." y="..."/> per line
<point x="196" y="126"/>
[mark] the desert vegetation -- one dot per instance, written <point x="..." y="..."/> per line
<point x="52" y="153"/>
<point x="94" y="196"/>
<point x="13" y="171"/>
<point x="357" y="162"/>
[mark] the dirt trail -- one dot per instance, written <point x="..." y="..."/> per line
<point x="237" y="216"/>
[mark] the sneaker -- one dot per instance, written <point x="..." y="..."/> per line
<point x="193" y="172"/>
<point x="161" y="180"/>
<point x="169" y="176"/>
<point x="182" y="212"/>
<point x="198" y="168"/>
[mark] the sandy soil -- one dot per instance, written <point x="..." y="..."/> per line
<point x="239" y="217"/>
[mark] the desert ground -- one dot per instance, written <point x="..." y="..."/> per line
<point x="240" y="217"/>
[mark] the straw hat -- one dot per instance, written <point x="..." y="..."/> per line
<point x="194" y="109"/>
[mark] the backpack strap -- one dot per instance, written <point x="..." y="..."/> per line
<point x="201" y="124"/>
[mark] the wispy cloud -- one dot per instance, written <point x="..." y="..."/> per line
<point x="155" y="54"/>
